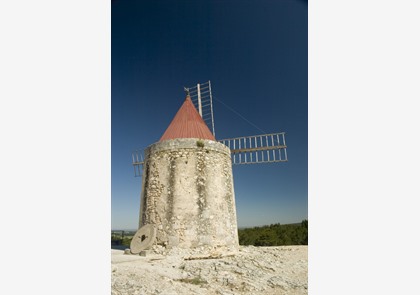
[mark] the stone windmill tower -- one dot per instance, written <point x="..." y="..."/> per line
<point x="187" y="198"/>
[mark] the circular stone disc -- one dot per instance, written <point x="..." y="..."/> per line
<point x="143" y="239"/>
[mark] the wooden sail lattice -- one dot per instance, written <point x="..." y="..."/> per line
<point x="138" y="161"/>
<point x="203" y="101"/>
<point x="264" y="148"/>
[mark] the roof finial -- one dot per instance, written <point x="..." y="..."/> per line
<point x="187" y="90"/>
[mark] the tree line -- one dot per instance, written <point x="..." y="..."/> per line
<point x="267" y="235"/>
<point x="275" y="235"/>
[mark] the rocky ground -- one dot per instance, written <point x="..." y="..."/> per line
<point x="253" y="270"/>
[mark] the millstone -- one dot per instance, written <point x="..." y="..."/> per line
<point x="143" y="239"/>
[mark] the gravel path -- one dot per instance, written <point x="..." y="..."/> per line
<point x="254" y="270"/>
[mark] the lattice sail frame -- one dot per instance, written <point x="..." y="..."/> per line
<point x="203" y="101"/>
<point x="138" y="161"/>
<point x="264" y="148"/>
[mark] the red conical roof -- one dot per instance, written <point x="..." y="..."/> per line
<point x="187" y="123"/>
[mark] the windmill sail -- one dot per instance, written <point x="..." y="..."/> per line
<point x="203" y="101"/>
<point x="138" y="160"/>
<point x="264" y="148"/>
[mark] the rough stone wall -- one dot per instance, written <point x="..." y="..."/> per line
<point x="188" y="194"/>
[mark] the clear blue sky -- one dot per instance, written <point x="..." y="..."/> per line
<point x="255" y="53"/>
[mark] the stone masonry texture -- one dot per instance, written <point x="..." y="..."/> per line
<point x="188" y="194"/>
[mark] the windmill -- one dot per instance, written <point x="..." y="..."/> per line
<point x="187" y="198"/>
